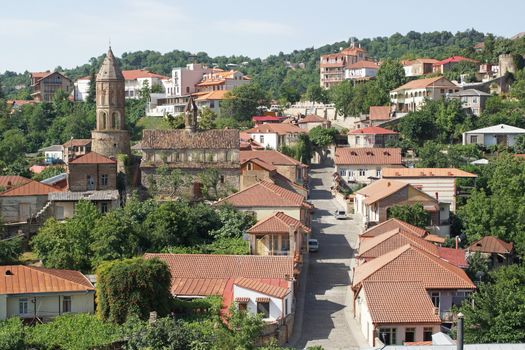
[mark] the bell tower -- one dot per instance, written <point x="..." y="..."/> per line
<point x="110" y="136"/>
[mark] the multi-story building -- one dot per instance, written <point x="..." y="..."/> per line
<point x="418" y="67"/>
<point x="184" y="79"/>
<point x="412" y="95"/>
<point x="361" y="70"/>
<point x="472" y="100"/>
<point x="333" y="65"/>
<point x="219" y="79"/>
<point x="45" y="84"/>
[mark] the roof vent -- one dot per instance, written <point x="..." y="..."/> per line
<point x="9" y="273"/>
<point x="502" y="126"/>
<point x="386" y="153"/>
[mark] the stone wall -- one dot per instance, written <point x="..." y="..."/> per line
<point x="110" y="143"/>
<point x="77" y="176"/>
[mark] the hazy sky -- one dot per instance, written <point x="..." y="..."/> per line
<point x="43" y="34"/>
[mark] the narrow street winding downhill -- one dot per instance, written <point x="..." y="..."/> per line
<point x="327" y="310"/>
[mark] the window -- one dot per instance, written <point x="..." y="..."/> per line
<point x="410" y="334"/>
<point x="103" y="180"/>
<point x="357" y="140"/>
<point x="378" y="172"/>
<point x="435" y="298"/>
<point x="66" y="304"/>
<point x="23" y="306"/>
<point x="342" y="172"/>
<point x="243" y="306"/>
<point x="387" y="335"/>
<point x="222" y="179"/>
<point x="104" y="207"/>
<point x="362" y="172"/>
<point x="90" y="182"/>
<point x="263" y="308"/>
<point x="473" y="138"/>
<point x="286" y="306"/>
<point x="261" y="138"/>
<point x="427" y="334"/>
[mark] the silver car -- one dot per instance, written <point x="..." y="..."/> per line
<point x="313" y="245"/>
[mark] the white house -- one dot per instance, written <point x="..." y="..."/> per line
<point x="275" y="135"/>
<point x="501" y="134"/>
<point x="361" y="70"/>
<point x="363" y="165"/>
<point x="38" y="293"/>
<point x="53" y="154"/>
<point x="184" y="79"/>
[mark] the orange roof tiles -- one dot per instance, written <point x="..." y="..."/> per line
<point x="261" y="163"/>
<point x="140" y="73"/>
<point x="265" y="194"/>
<point x="277" y="223"/>
<point x="373" y="156"/>
<point x="379" y="112"/>
<point x="77" y="142"/>
<point x="264" y="288"/>
<point x="12" y="180"/>
<point x="312" y="118"/>
<point x="276" y="128"/>
<point x="399" y="302"/>
<point x="213" y="95"/>
<point x="31" y="188"/>
<point x="92" y="158"/>
<point x="409" y="263"/>
<point x="426" y="82"/>
<point x="269" y="156"/>
<point x="491" y="244"/>
<point x="373" y="130"/>
<point x="454" y="256"/>
<point x="363" y="64"/>
<point x="380" y="189"/>
<point x="21" y="279"/>
<point x="392" y="224"/>
<point x="425" y="172"/>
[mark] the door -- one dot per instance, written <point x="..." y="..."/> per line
<point x="260" y="246"/>
<point x="59" y="213"/>
<point x="90" y="183"/>
<point x="24" y="211"/>
<point x="501" y="140"/>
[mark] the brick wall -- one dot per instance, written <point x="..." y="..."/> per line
<point x="78" y="175"/>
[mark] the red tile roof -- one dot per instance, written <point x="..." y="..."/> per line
<point x="277" y="223"/>
<point x="31" y="188"/>
<point x="425" y="172"/>
<point x="454" y="256"/>
<point x="12" y="180"/>
<point x="140" y="73"/>
<point x="40" y="75"/>
<point x="379" y="112"/>
<point x="399" y="302"/>
<point x="276" y="128"/>
<point x="383" y="188"/>
<point x="454" y="59"/>
<point x="213" y="95"/>
<point x="77" y="142"/>
<point x="312" y="118"/>
<point x="21" y="279"/>
<point x="373" y="130"/>
<point x="427" y="82"/>
<point x="269" y="156"/>
<point x="392" y="224"/>
<point x="491" y="244"/>
<point x="363" y="64"/>
<point x="261" y="287"/>
<point x="261" y="163"/>
<point x="265" y="194"/>
<point x="92" y="158"/>
<point x="371" y="156"/>
<point x="409" y="263"/>
<point x="266" y="118"/>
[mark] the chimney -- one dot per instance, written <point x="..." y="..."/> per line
<point x="459" y="339"/>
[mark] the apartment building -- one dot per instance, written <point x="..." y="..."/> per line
<point x="333" y="65"/>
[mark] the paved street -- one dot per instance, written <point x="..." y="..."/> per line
<point x="327" y="312"/>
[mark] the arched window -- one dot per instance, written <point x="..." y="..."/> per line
<point x="102" y="120"/>
<point x="115" y="120"/>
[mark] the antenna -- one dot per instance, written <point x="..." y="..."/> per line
<point x="110" y="42"/>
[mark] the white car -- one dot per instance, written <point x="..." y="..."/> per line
<point x="313" y="245"/>
<point x="340" y="215"/>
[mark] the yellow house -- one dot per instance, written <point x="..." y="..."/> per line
<point x="38" y="293"/>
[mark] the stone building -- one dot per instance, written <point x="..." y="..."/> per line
<point x="192" y="151"/>
<point x="92" y="172"/>
<point x="110" y="136"/>
<point x="44" y="85"/>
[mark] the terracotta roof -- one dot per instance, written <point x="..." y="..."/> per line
<point x="21" y="279"/>
<point x="379" y="112"/>
<point x="392" y="224"/>
<point x="425" y="172"/>
<point x="352" y="51"/>
<point x="363" y="64"/>
<point x="242" y="300"/>
<point x="140" y="73"/>
<point x="405" y="302"/>
<point x="40" y="75"/>
<point x="261" y="163"/>
<point x="213" y="95"/>
<point x="77" y="142"/>
<point x="383" y="188"/>
<point x="419" y="60"/>
<point x="92" y="158"/>
<point x="264" y="194"/>
<point x="12" y="180"/>
<point x="312" y="118"/>
<point x="435" y="238"/>
<point x="392" y="240"/>
<point x="491" y="244"/>
<point x="454" y="256"/>
<point x="373" y="130"/>
<point x="409" y="263"/>
<point x="110" y="70"/>
<point x="261" y="287"/>
<point x="31" y="188"/>
<point x="427" y="82"/>
<point x="276" y="128"/>
<point x="454" y="59"/>
<point x="181" y="139"/>
<point x="269" y="156"/>
<point x="277" y="223"/>
<point x="373" y="156"/>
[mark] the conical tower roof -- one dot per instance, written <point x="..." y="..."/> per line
<point x="110" y="69"/>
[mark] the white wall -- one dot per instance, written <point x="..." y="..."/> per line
<point x="270" y="140"/>
<point x="81" y="89"/>
<point x="49" y="306"/>
<point x="276" y="305"/>
<point x="489" y="139"/>
<point x="263" y="213"/>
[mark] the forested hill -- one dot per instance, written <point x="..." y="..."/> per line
<point x="277" y="73"/>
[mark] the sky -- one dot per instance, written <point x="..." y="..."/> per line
<point x="38" y="35"/>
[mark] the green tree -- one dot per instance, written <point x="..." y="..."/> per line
<point x="414" y="214"/>
<point x="242" y="331"/>
<point x="342" y="96"/>
<point x="478" y="267"/>
<point x="133" y="287"/>
<point x="322" y="137"/>
<point x="234" y="223"/>
<point x="390" y="76"/>
<point x="12" y="146"/>
<point x="92" y="91"/>
<point x="207" y="119"/>
<point x="316" y="93"/>
<point x="49" y="172"/>
<point x="431" y="156"/>
<point x="13" y="334"/>
<point x="495" y="313"/>
<point x="10" y="249"/>
<point x="243" y="101"/>
<point x="210" y="178"/>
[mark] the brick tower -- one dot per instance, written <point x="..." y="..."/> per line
<point x="110" y="136"/>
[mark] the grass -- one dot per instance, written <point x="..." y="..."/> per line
<point x="153" y="123"/>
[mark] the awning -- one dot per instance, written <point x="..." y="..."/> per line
<point x="262" y="300"/>
<point x="242" y="300"/>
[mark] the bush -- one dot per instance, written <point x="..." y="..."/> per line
<point x="12" y="334"/>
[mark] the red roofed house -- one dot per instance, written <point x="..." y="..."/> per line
<point x="36" y="293"/>
<point x="396" y="224"/>
<point x="257" y="284"/>
<point x="76" y="148"/>
<point x="273" y="136"/>
<point x="422" y="288"/>
<point x="372" y="136"/>
<point x="263" y="199"/>
<point x="45" y="84"/>
<point x="418" y="67"/>
<point x="287" y="166"/>
<point x="497" y="251"/>
<point x="363" y="165"/>
<point x="219" y="79"/>
<point x="333" y="65"/>
<point x="361" y="70"/>
<point x="447" y="64"/>
<point x="263" y="119"/>
<point x="279" y="234"/>
<point x="412" y="95"/>
<point x="379" y="114"/>
<point x="311" y="121"/>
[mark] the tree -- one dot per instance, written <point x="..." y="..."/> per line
<point x="478" y="267"/>
<point x="243" y="101"/>
<point x="234" y="223"/>
<point x="92" y="91"/>
<point x="414" y="214"/>
<point x="390" y="75"/>
<point x="49" y="172"/>
<point x="10" y="249"/>
<point x="316" y="93"/>
<point x="495" y="313"/>
<point x="13" y="334"/>
<point x="12" y="146"/>
<point x="322" y="137"/>
<point x="342" y="95"/>
<point x="133" y="287"/>
<point x="210" y="179"/>
<point x="242" y="330"/>
<point x="431" y="156"/>
<point x="207" y="119"/>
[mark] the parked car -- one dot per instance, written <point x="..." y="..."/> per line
<point x="340" y="215"/>
<point x="313" y="245"/>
